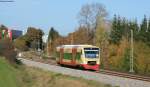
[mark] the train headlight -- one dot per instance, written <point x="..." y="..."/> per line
<point x="97" y="55"/>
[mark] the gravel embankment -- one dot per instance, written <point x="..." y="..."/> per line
<point x="107" y="79"/>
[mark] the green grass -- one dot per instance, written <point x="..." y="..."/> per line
<point x="7" y="74"/>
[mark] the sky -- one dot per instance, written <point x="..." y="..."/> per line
<point x="62" y="14"/>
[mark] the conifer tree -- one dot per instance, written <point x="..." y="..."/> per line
<point x="125" y="28"/>
<point x="53" y="34"/>
<point x="144" y="24"/>
<point x="148" y="25"/>
<point x="134" y="26"/>
<point x="148" y="33"/>
<point x="117" y="31"/>
<point x="113" y="31"/>
<point x="135" y="29"/>
<point x="143" y="29"/>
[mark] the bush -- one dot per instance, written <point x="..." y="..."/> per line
<point x="7" y="50"/>
<point x="142" y="51"/>
<point x="20" y="44"/>
<point x="125" y="61"/>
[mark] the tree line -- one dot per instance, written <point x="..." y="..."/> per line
<point x="121" y="27"/>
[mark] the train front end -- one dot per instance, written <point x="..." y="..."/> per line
<point x="91" y="58"/>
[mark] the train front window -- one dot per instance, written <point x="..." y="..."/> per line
<point x="91" y="54"/>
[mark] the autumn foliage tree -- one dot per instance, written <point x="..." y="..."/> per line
<point x="80" y="36"/>
<point x="32" y="39"/>
<point x="34" y="36"/>
<point x="88" y="16"/>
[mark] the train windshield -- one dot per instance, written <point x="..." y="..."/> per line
<point x="91" y="52"/>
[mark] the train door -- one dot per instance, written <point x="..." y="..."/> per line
<point x="61" y="55"/>
<point x="74" y="53"/>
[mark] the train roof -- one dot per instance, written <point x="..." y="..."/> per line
<point x="71" y="46"/>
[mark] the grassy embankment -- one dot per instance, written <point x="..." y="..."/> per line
<point x="22" y="76"/>
<point x="7" y="75"/>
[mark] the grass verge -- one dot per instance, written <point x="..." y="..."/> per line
<point x="7" y="74"/>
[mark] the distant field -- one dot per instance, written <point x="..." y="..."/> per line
<point x="22" y="76"/>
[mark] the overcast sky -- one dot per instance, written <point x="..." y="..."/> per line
<point x="62" y="14"/>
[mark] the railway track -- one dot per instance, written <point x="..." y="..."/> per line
<point x="125" y="75"/>
<point x="107" y="72"/>
<point x="103" y="78"/>
<point x="114" y="73"/>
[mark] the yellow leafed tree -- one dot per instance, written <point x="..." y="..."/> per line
<point x="102" y="41"/>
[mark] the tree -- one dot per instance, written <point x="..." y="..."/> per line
<point x="100" y="34"/>
<point x="148" y="33"/>
<point x="113" y="31"/>
<point x="80" y="36"/>
<point x="117" y="31"/>
<point x="88" y="16"/>
<point x="125" y="28"/>
<point x="52" y="40"/>
<point x="134" y="26"/>
<point x="34" y="35"/>
<point x="53" y="34"/>
<point x="148" y="25"/>
<point x="143" y="29"/>
<point x="144" y="24"/>
<point x="102" y="41"/>
<point x="21" y="44"/>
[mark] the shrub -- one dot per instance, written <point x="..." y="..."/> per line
<point x="125" y="61"/>
<point x="7" y="50"/>
<point x="142" y="57"/>
<point x="20" y="44"/>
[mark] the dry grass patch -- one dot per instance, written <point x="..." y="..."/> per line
<point x="34" y="77"/>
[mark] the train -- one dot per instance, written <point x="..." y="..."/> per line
<point x="11" y="34"/>
<point x="5" y="34"/>
<point x="85" y="56"/>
